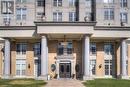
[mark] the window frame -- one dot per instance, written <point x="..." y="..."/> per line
<point x="93" y="66"/>
<point x="22" y="70"/>
<point x="21" y="14"/>
<point x="123" y="3"/>
<point x="124" y="17"/>
<point x="72" y="16"/>
<point x="22" y="48"/>
<point x="109" y="14"/>
<point x="93" y="53"/>
<point x="57" y="3"/>
<point x="57" y="16"/>
<point x="40" y="3"/>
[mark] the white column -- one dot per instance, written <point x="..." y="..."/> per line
<point x="123" y="58"/>
<point x="7" y="59"/>
<point x="86" y="58"/>
<point x="44" y="59"/>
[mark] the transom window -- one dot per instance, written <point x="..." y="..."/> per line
<point x="21" y="1"/>
<point x="57" y="16"/>
<point x="72" y="16"/>
<point x="65" y="48"/>
<point x="40" y="3"/>
<point x="108" y="49"/>
<point x="108" y="13"/>
<point x="57" y="3"/>
<point x="37" y="49"/>
<point x="108" y="1"/>
<point x="21" y="13"/>
<point x="20" y="67"/>
<point x="21" y="48"/>
<point x="92" y="49"/>
<point x="123" y="17"/>
<point x="123" y="3"/>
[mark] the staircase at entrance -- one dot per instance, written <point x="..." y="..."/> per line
<point x="64" y="83"/>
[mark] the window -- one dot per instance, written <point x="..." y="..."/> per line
<point x="92" y="49"/>
<point x="108" y="49"/>
<point x="21" y="48"/>
<point x="123" y="17"/>
<point x="37" y="50"/>
<point x="60" y="49"/>
<point x="123" y="3"/>
<point x="57" y="16"/>
<point x="57" y="3"/>
<point x="40" y="3"/>
<point x="20" y="1"/>
<point x="20" y="67"/>
<point x="21" y="13"/>
<point x="69" y="48"/>
<point x="93" y="66"/>
<point x="108" y="1"/>
<point x="88" y="3"/>
<point x="108" y="67"/>
<point x="72" y="16"/>
<point x="65" y="48"/>
<point x="109" y="14"/>
<point x="72" y="2"/>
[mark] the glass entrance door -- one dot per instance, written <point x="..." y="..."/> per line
<point x="65" y="70"/>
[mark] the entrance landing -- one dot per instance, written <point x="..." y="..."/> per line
<point x="64" y="83"/>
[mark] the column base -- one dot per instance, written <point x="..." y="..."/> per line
<point x="125" y="77"/>
<point x="87" y="78"/>
<point x="45" y="77"/>
<point x="6" y="77"/>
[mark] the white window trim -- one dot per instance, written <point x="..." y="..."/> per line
<point x="57" y="3"/>
<point x="109" y="13"/>
<point x="57" y="16"/>
<point x="21" y="76"/>
<point x="73" y="16"/>
<point x="21" y="14"/>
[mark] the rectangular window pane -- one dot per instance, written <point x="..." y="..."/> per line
<point x="123" y="3"/>
<point x="88" y="3"/>
<point x="57" y="16"/>
<point x="72" y="2"/>
<point x="72" y="16"/>
<point x="92" y="49"/>
<point x="21" y="48"/>
<point x="123" y="17"/>
<point x="108" y="14"/>
<point x="20" y="67"/>
<point x="93" y="66"/>
<point x="40" y="3"/>
<point x="21" y="13"/>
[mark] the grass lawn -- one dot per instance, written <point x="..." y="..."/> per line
<point x="107" y="83"/>
<point x="22" y="83"/>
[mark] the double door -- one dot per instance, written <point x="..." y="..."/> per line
<point x="65" y="70"/>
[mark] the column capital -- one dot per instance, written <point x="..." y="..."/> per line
<point x="87" y="35"/>
<point x="43" y="36"/>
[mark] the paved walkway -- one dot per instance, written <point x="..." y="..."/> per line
<point x="64" y="83"/>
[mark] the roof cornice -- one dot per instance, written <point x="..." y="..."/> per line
<point x="17" y="27"/>
<point x="112" y="28"/>
<point x="47" y="23"/>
